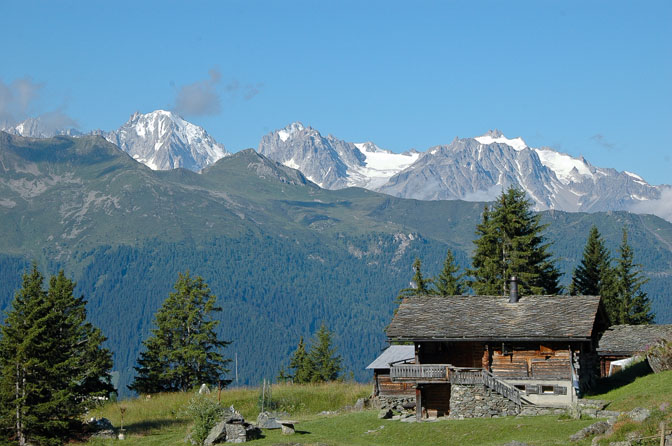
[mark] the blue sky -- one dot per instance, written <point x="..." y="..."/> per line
<point x="586" y="78"/>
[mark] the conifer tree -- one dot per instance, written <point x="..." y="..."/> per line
<point x="419" y="285"/>
<point x="301" y="364"/>
<point x="631" y="304"/>
<point x="325" y="363"/>
<point x="510" y="243"/>
<point x="448" y="282"/>
<point x="184" y="350"/>
<point x="594" y="275"/>
<point x="51" y="363"/>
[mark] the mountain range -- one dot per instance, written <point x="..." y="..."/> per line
<point x="470" y="169"/>
<point x="281" y="253"/>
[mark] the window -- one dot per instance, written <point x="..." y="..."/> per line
<point x="547" y="390"/>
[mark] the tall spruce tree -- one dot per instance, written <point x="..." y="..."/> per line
<point x="510" y="243"/>
<point x="51" y="361"/>
<point x="594" y="276"/>
<point x="300" y="363"/>
<point x="630" y="304"/>
<point x="449" y="282"/>
<point x="184" y="350"/>
<point x="325" y="363"/>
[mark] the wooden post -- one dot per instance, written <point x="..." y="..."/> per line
<point x="662" y="433"/>
<point x="418" y="403"/>
<point x="219" y="391"/>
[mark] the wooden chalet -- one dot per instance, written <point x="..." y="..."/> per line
<point x="621" y="342"/>
<point x="536" y="350"/>
<point x="383" y="385"/>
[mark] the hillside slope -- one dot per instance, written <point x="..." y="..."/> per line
<point x="282" y="254"/>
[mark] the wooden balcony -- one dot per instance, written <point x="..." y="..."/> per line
<point x="420" y="373"/>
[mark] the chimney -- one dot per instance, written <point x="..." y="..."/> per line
<point x="513" y="290"/>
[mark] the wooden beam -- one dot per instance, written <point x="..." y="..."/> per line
<point x="418" y="403"/>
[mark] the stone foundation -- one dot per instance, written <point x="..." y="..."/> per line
<point x="477" y="401"/>
<point x="397" y="403"/>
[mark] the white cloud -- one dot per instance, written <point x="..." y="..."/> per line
<point x="661" y="207"/>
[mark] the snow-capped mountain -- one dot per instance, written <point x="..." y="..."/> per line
<point x="472" y="169"/>
<point x="331" y="162"/>
<point x="163" y="140"/>
<point x="39" y="127"/>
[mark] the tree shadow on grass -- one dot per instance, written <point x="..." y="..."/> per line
<point x="145" y="427"/>
<point x="621" y="378"/>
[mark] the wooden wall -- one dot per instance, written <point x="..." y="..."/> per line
<point x="458" y="354"/>
<point x="436" y="397"/>
<point x="526" y="360"/>
<point x="385" y="386"/>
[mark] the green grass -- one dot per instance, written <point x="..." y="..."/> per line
<point x="160" y="420"/>
<point x="636" y="387"/>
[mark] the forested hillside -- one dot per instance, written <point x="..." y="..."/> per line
<point x="281" y="254"/>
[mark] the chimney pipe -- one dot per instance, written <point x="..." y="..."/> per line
<point x="513" y="290"/>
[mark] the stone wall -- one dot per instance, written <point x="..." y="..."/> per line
<point x="477" y="401"/>
<point x="398" y="403"/>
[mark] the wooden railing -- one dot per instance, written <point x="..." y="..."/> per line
<point x="419" y="372"/>
<point x="460" y="375"/>
<point x="504" y="389"/>
<point x="455" y="375"/>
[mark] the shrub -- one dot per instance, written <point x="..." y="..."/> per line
<point x="204" y="412"/>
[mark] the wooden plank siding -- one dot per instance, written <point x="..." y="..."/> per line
<point x="388" y="388"/>
<point x="436" y="397"/>
<point x="518" y="361"/>
<point x="457" y="354"/>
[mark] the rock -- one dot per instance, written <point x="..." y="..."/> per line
<point x="385" y="414"/>
<point x="217" y="434"/>
<point x="105" y="434"/>
<point x="410" y="419"/>
<point x="266" y="420"/>
<point x="288" y="429"/>
<point x="516" y="443"/>
<point x="101" y="428"/>
<point x="204" y="389"/>
<point x="594" y="429"/>
<point x="620" y="443"/>
<point x="360" y="404"/>
<point x="639" y="414"/>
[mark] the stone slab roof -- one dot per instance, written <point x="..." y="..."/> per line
<point x="494" y="318"/>
<point x="631" y="339"/>
<point x="394" y="353"/>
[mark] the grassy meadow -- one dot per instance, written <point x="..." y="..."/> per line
<point x="160" y="420"/>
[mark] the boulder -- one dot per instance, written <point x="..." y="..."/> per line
<point x="360" y="404"/>
<point x="639" y="414"/>
<point x="266" y="420"/>
<point x="204" y="389"/>
<point x="594" y="429"/>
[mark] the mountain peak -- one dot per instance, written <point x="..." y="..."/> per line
<point x="290" y="130"/>
<point x="497" y="137"/>
<point x="163" y="140"/>
<point x="494" y="133"/>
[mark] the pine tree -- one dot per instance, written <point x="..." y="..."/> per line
<point x="594" y="275"/>
<point x="419" y="285"/>
<point x="301" y="364"/>
<point x="631" y="304"/>
<point x="183" y="350"/>
<point x="52" y="362"/>
<point x="326" y="365"/>
<point x="448" y="282"/>
<point x="510" y="243"/>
